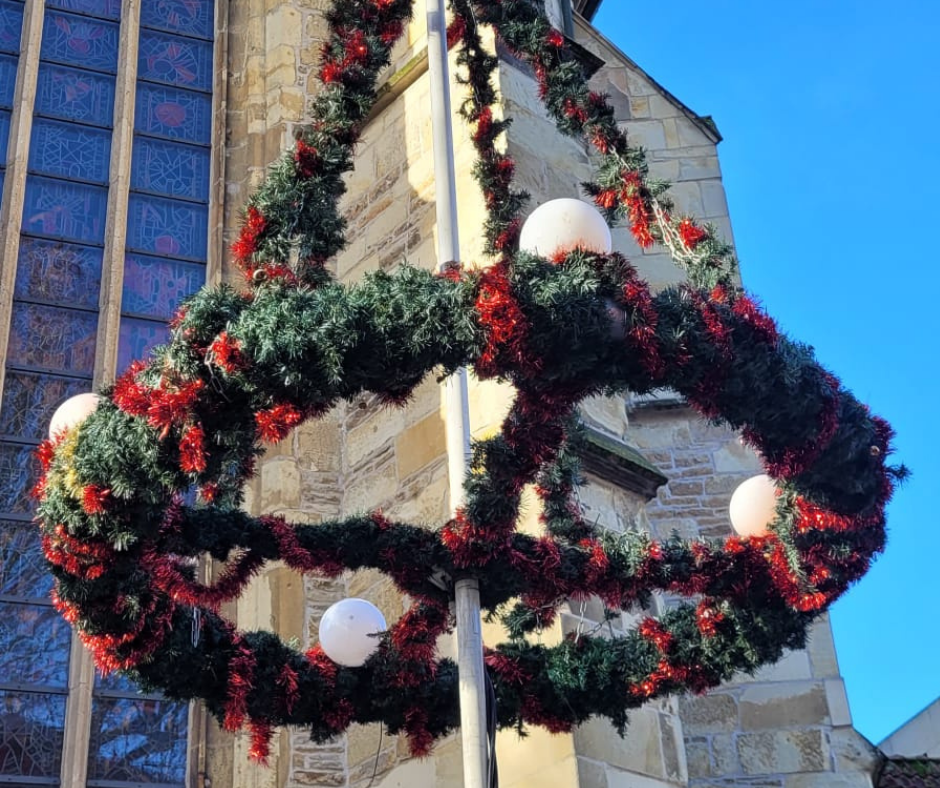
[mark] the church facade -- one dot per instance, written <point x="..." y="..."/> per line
<point x="133" y="132"/>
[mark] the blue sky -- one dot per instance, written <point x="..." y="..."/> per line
<point x="831" y="163"/>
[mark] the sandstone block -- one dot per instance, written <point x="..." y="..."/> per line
<point x="640" y="751"/>
<point x="794" y="666"/>
<point x="852" y="751"/>
<point x="783" y="704"/>
<point x="420" y="444"/>
<point x="838" y="702"/>
<point x="725" y="754"/>
<point x="649" y="134"/>
<point x="280" y="484"/>
<point x="776" y="752"/>
<point x="699" y="759"/>
<point x="591" y="774"/>
<point x="829" y="780"/>
<point x="715" y="713"/>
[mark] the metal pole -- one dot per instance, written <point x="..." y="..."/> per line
<point x="467" y="590"/>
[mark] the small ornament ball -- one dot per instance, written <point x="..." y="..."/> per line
<point x="754" y="506"/>
<point x="72" y="412"/>
<point x="562" y="225"/>
<point x="349" y="631"/>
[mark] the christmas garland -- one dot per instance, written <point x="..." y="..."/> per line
<point x="243" y="368"/>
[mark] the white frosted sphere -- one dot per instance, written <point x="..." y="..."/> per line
<point x="754" y="506"/>
<point x="72" y="412"/>
<point x="349" y="631"/>
<point x="562" y="225"/>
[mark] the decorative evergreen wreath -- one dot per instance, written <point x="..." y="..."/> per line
<point x="242" y="368"/>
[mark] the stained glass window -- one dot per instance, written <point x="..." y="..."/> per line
<point x="23" y="571"/>
<point x="7" y="80"/>
<point x="65" y="210"/>
<point x="70" y="151"/>
<point x="178" y="16"/>
<point x="19" y="472"/>
<point x="34" y="646"/>
<point x="155" y="288"/>
<point x="110" y="9"/>
<point x="80" y="41"/>
<point x="175" y="60"/>
<point x="63" y="273"/>
<point x="138" y="338"/>
<point x="53" y="339"/>
<point x="4" y="135"/>
<point x="11" y="26"/>
<point x="170" y="168"/>
<point x="30" y="399"/>
<point x="73" y="94"/>
<point x="139" y="740"/>
<point x="31" y="733"/>
<point x="174" y="114"/>
<point x="167" y="227"/>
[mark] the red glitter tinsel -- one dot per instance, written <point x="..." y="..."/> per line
<point x="226" y="353"/>
<point x="241" y="670"/>
<point x="275" y="423"/>
<point x="193" y="449"/>
<point x="95" y="499"/>
<point x="691" y="234"/>
<point x="307" y="159"/>
<point x="261" y="733"/>
<point x="252" y="228"/>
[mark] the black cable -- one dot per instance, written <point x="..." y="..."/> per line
<point x="491" y="722"/>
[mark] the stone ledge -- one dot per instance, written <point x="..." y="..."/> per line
<point x="614" y="461"/>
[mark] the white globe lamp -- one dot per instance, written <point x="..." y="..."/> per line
<point x="72" y="412"/>
<point x="562" y="225"/>
<point x="754" y="506"/>
<point x="349" y="631"/>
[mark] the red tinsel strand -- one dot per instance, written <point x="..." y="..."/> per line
<point x="129" y="395"/>
<point x="95" y="499"/>
<point x="474" y="546"/>
<point x="691" y="234"/>
<point x="168" y="577"/>
<point x="340" y="715"/>
<point x="296" y="556"/>
<point x="193" y="449"/>
<point x="414" y="636"/>
<point x="84" y="564"/>
<point x="642" y="331"/>
<point x="241" y="671"/>
<point x="505" y="325"/>
<point x="705" y="396"/>
<point x="307" y="159"/>
<point x="653" y="631"/>
<point x="45" y="453"/>
<point x="456" y="30"/>
<point x="172" y="403"/>
<point x="324" y="667"/>
<point x="506" y="668"/>
<point x="275" y="423"/>
<point x="635" y="196"/>
<point x="763" y="325"/>
<point x="420" y="738"/>
<point x="247" y="243"/>
<point x="707" y="618"/>
<point x="226" y="353"/>
<point x="287" y="682"/>
<point x="262" y="731"/>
